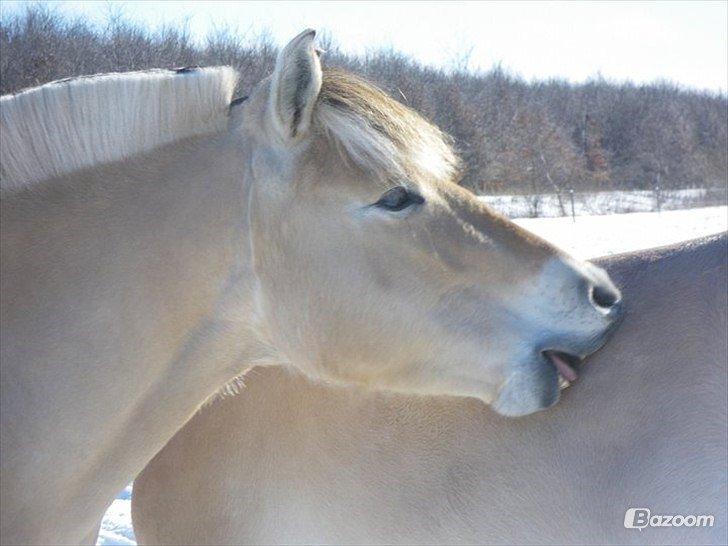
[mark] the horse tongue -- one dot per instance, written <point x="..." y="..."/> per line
<point x="566" y="371"/>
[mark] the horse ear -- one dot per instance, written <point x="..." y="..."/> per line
<point x="295" y="86"/>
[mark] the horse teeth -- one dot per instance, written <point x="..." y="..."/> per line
<point x="563" y="383"/>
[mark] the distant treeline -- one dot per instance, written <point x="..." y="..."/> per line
<point x="515" y="136"/>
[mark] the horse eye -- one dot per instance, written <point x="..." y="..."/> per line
<point x="399" y="198"/>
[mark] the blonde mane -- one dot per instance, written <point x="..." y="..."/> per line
<point x="64" y="126"/>
<point x="378" y="133"/>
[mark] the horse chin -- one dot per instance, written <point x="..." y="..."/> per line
<point x="530" y="387"/>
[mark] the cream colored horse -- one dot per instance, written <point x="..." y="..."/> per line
<point x="158" y="240"/>
<point x="287" y="461"/>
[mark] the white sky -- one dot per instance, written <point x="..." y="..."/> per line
<point x="686" y="42"/>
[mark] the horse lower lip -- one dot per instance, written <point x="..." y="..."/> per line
<point x="562" y="366"/>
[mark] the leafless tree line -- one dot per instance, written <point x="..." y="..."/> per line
<point x="515" y="136"/>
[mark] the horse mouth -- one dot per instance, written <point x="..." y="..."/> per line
<point x="566" y="365"/>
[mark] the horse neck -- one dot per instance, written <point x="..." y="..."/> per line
<point x="191" y="202"/>
<point x="131" y="272"/>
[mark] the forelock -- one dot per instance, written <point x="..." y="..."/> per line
<point x="379" y="134"/>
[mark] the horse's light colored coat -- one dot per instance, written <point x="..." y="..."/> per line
<point x="139" y="277"/>
<point x="290" y="462"/>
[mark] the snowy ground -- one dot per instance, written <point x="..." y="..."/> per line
<point x="593" y="236"/>
<point x="604" y="202"/>
<point x="116" y="526"/>
<point x="588" y="237"/>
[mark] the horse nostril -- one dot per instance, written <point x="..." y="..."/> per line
<point x="604" y="296"/>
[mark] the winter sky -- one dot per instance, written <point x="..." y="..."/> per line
<point x="685" y="42"/>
